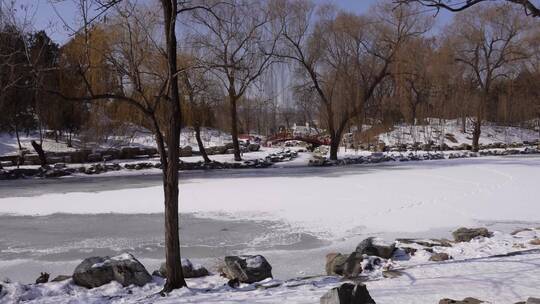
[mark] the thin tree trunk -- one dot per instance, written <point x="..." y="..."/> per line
<point x="234" y="128"/>
<point x="175" y="276"/>
<point x="476" y="134"/>
<point x="18" y="138"/>
<point x="201" y="144"/>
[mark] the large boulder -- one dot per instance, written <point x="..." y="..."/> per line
<point x="467" y="234"/>
<point x="377" y="247"/>
<point x="246" y="268"/>
<point x="189" y="269"/>
<point x="348" y="293"/>
<point x="97" y="271"/>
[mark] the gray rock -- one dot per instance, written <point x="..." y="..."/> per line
<point x="253" y="147"/>
<point x="464" y="301"/>
<point x="43" y="278"/>
<point x="347" y="265"/>
<point x="189" y="269"/>
<point x="376" y="247"/>
<point x="61" y="278"/>
<point x="533" y="301"/>
<point x="335" y="263"/>
<point x="348" y="293"/>
<point x="439" y="257"/>
<point x="247" y="268"/>
<point x="97" y="271"/>
<point x="467" y="234"/>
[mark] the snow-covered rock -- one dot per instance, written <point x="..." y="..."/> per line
<point x="246" y="268"/>
<point x="348" y="293"/>
<point x="377" y="247"/>
<point x="98" y="271"/>
<point x="467" y="234"/>
<point x="189" y="269"/>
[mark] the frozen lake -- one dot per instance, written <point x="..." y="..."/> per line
<point x="294" y="216"/>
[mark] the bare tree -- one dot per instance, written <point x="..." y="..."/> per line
<point x="487" y="42"/>
<point x="137" y="84"/>
<point x="345" y="58"/>
<point x="237" y="41"/>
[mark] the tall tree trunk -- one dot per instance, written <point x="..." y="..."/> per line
<point x="41" y="154"/>
<point x="476" y="134"/>
<point x="175" y="276"/>
<point x="201" y="144"/>
<point x="334" y="145"/>
<point x="234" y="128"/>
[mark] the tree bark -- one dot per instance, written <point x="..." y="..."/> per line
<point x="200" y="144"/>
<point x="334" y="146"/>
<point x="175" y="276"/>
<point x="234" y="128"/>
<point x="476" y="134"/>
<point x="41" y="154"/>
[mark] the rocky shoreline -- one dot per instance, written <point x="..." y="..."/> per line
<point x="62" y="169"/>
<point x="373" y="259"/>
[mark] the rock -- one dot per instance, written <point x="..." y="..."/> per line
<point x="347" y="265"/>
<point x="439" y="257"/>
<point x="124" y="269"/>
<point x="464" y="301"/>
<point x="94" y="157"/>
<point x="189" y="270"/>
<point x="234" y="283"/>
<point x="253" y="147"/>
<point x="61" y="278"/>
<point x="247" y="268"/>
<point x="186" y="151"/>
<point x="377" y="247"/>
<point x="535" y="242"/>
<point x="467" y="234"/>
<point x="129" y="152"/>
<point x="533" y="301"/>
<point x="335" y="263"/>
<point x="43" y="278"/>
<point x="348" y="293"/>
<point x="409" y="250"/>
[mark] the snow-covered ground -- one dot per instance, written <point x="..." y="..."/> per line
<point x="450" y="133"/>
<point x="339" y="206"/>
<point x="138" y="138"/>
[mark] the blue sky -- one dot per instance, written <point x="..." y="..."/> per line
<point x="52" y="17"/>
